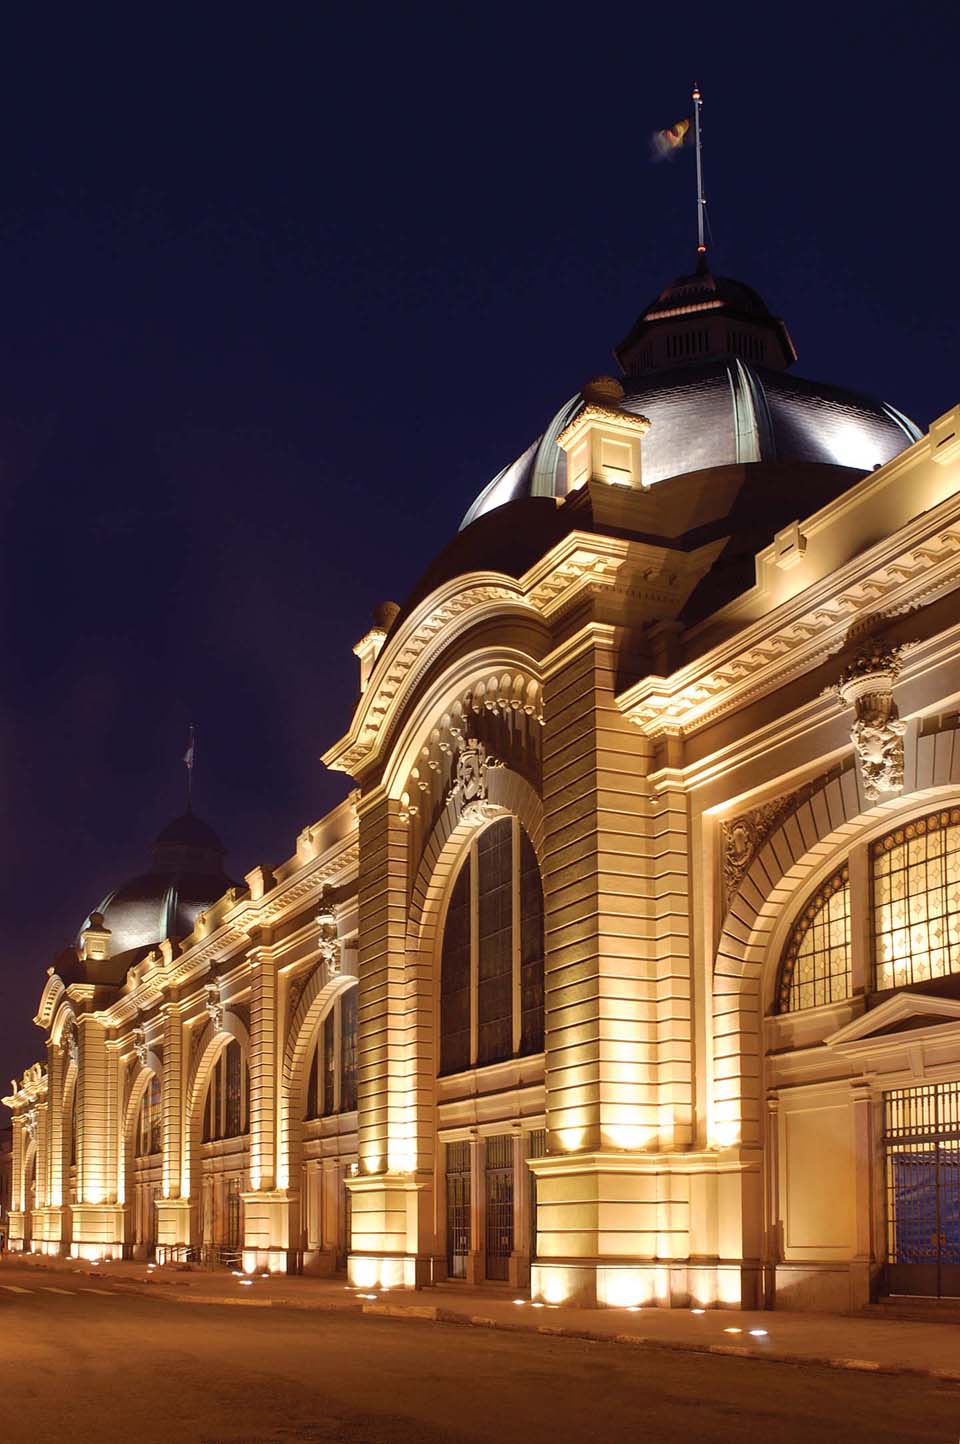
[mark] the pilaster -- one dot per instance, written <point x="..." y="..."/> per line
<point x="173" y="1108"/>
<point x="392" y="1216"/>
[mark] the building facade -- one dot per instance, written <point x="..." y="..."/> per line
<point x="629" y="971"/>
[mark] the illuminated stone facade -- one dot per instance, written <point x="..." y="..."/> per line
<point x="626" y="906"/>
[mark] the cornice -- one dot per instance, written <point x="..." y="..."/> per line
<point x="897" y="575"/>
<point x="579" y="563"/>
<point x="160" y="977"/>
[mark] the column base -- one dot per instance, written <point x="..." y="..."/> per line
<point x="173" y="1228"/>
<point x="49" y="1231"/>
<point x="17" y="1231"/>
<point x="267" y="1230"/>
<point x="97" y="1231"/>
<point x="647" y="1283"/>
<point x="390" y="1216"/>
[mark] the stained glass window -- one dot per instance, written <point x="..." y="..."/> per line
<point x="816" y="962"/>
<point x="916" y="901"/>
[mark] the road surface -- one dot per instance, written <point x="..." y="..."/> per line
<point x="82" y="1363"/>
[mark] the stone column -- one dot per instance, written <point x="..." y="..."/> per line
<point x="392" y="1225"/>
<point x="598" y="1193"/>
<point x="267" y="1208"/>
<point x="174" y="1204"/>
<point x="97" y="1217"/>
<point x="867" y="1113"/>
<point x="17" y="1213"/>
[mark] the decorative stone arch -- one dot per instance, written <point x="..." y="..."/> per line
<point x="315" y="1002"/>
<point x="803" y="848"/>
<point x="495" y="680"/>
<point x="53" y="991"/>
<point x="508" y="794"/>
<point x="30" y="1164"/>
<point x="210" y="1045"/>
<point x="137" y="1084"/>
<point x="61" y="1016"/>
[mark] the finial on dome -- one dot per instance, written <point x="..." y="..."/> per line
<point x="603" y="391"/>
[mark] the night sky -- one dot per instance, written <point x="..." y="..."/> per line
<point x="284" y="286"/>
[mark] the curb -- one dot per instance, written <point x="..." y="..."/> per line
<point x="436" y="1314"/>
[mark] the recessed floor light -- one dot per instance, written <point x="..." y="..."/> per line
<point x="733" y="1331"/>
<point x="759" y="1333"/>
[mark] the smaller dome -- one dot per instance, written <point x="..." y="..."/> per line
<point x="190" y="831"/>
<point x="187" y="876"/>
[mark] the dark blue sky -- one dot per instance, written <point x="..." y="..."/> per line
<point x="283" y="286"/>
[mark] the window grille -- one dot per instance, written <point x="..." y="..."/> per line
<point x="499" y="1200"/>
<point x="458" y="1209"/>
<point x="922" y="1147"/>
<point x="816" y="962"/>
<point x="916" y="901"/>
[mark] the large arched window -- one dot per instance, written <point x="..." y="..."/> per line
<point x="150" y="1120"/>
<point x="491" y="970"/>
<point x="332" y="1080"/>
<point x="227" y="1107"/>
<point x="916" y="901"/>
<point x="816" y="961"/>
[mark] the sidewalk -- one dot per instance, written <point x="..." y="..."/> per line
<point x="832" y="1340"/>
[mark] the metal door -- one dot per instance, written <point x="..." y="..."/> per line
<point x="922" y="1148"/>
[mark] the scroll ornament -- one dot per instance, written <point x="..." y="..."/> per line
<point x="877" y="733"/>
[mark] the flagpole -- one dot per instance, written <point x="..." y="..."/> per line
<point x="701" y="201"/>
<point x="189" y="758"/>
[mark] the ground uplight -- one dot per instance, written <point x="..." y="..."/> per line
<point x="759" y="1333"/>
<point x="732" y="1330"/>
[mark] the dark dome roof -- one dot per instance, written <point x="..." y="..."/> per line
<point x="186" y="877"/>
<point x="706" y="364"/>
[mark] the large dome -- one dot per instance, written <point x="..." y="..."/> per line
<point x="706" y="364"/>
<point x="186" y="877"/>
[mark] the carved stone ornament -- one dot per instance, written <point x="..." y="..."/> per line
<point x="140" y="1046"/>
<point x="877" y="733"/>
<point x="71" y="1044"/>
<point x="328" y="942"/>
<point x="213" y="1004"/>
<point x="469" y="790"/>
<point x="31" y="1122"/>
<point x="744" y="836"/>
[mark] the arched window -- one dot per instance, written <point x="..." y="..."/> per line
<point x="150" y="1120"/>
<point x="816" y="961"/>
<point x="227" y="1107"/>
<point x="332" y="1081"/>
<point x="491" y="969"/>
<point x="916" y="901"/>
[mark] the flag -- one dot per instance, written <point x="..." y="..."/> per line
<point x="190" y="753"/>
<point x="665" y="143"/>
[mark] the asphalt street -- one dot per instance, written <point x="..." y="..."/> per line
<point x="84" y="1362"/>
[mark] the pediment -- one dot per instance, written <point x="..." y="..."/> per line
<point x="902" y="1014"/>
